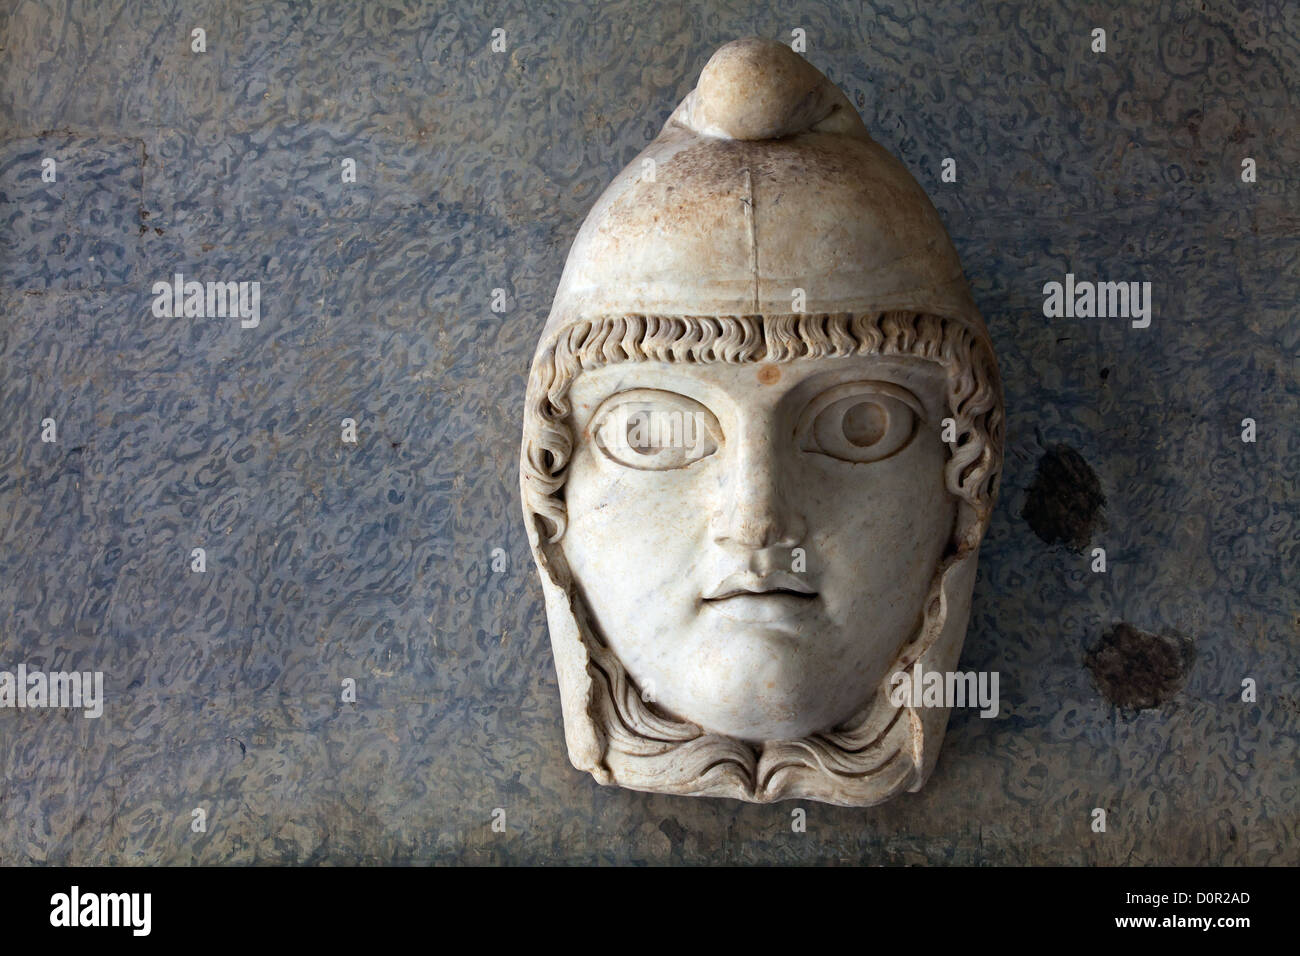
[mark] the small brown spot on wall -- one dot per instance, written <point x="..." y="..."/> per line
<point x="769" y="374"/>
<point x="1136" y="670"/>
<point x="674" y="831"/>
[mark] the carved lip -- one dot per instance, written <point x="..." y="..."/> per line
<point x="747" y="584"/>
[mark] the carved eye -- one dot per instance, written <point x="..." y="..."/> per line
<point x="860" y="421"/>
<point x="653" y="430"/>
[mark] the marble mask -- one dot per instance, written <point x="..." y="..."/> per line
<point x="761" y="444"/>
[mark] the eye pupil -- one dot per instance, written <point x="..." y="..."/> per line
<point x="638" y="434"/>
<point x="865" y="424"/>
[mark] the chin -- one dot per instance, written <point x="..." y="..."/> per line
<point x="759" y="730"/>
<point x="752" y="686"/>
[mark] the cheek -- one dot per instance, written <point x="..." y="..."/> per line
<point x="632" y="533"/>
<point x="881" y="528"/>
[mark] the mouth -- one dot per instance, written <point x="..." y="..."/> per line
<point x="753" y="598"/>
<point x="748" y="585"/>
<point x="764" y="592"/>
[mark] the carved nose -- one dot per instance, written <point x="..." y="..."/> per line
<point x="756" y="511"/>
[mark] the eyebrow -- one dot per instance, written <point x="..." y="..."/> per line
<point x="706" y="374"/>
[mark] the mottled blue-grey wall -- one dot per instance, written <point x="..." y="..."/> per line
<point x="327" y="560"/>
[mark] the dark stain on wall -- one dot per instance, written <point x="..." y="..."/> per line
<point x="1064" y="504"/>
<point x="1137" y="670"/>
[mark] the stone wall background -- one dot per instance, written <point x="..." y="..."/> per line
<point x="371" y="560"/>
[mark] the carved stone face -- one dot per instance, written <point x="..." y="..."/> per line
<point x="746" y="508"/>
<point x="756" y="542"/>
